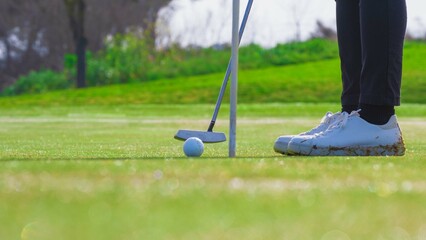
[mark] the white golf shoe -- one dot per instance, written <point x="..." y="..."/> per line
<point x="329" y="118"/>
<point x="352" y="136"/>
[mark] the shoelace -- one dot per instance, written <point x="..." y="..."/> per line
<point x="328" y="118"/>
<point x="340" y="122"/>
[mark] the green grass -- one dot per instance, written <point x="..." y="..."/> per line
<point x="115" y="172"/>
<point x="101" y="163"/>
<point x="309" y="82"/>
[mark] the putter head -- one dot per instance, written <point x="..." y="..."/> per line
<point x="205" y="137"/>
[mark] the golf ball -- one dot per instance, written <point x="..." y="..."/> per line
<point x="193" y="147"/>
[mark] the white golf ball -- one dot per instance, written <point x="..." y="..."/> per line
<point x="193" y="147"/>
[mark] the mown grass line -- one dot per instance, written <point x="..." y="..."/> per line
<point x="191" y="111"/>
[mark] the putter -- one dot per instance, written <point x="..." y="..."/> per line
<point x="209" y="136"/>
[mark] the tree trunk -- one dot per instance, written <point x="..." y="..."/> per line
<point x="81" y="62"/>
<point x="80" y="45"/>
<point x="76" y="10"/>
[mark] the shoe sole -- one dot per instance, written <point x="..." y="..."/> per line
<point x="397" y="149"/>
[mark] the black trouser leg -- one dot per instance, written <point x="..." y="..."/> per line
<point x="349" y="39"/>
<point x="371" y="36"/>
<point x="383" y="25"/>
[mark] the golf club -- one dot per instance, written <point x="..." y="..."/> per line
<point x="209" y="136"/>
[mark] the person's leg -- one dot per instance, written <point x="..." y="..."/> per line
<point x="349" y="40"/>
<point x="383" y="25"/>
<point x="376" y="130"/>
<point x="371" y="75"/>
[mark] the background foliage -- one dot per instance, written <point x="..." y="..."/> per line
<point x="127" y="58"/>
<point x="35" y="35"/>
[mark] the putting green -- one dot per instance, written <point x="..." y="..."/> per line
<point x="117" y="173"/>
